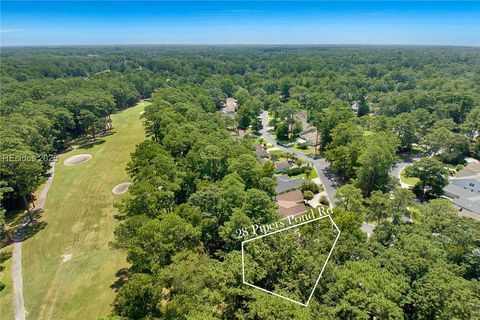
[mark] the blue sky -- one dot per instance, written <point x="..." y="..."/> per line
<point x="230" y="22"/>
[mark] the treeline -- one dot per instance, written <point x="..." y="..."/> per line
<point x="40" y="114"/>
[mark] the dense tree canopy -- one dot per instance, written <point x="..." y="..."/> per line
<point x="196" y="183"/>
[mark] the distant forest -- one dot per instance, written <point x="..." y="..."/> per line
<point x="195" y="182"/>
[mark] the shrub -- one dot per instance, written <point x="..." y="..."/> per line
<point x="308" y="171"/>
<point x="296" y="171"/>
<point x="302" y="146"/>
<point x="309" y="185"/>
<point x="308" y="195"/>
<point x="324" y="200"/>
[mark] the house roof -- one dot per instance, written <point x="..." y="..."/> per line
<point x="285" y="183"/>
<point x="241" y="133"/>
<point x="230" y="107"/>
<point x="281" y="164"/>
<point x="471" y="171"/>
<point x="468" y="204"/>
<point x="455" y="191"/>
<point x="464" y="198"/>
<point x="292" y="196"/>
<point x="261" y="153"/>
<point x="293" y="210"/>
<point x="310" y="137"/>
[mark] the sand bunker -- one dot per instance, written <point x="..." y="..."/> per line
<point x="121" y="188"/>
<point x="79" y="158"/>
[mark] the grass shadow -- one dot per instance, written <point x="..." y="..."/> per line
<point x="4" y="256"/>
<point x="91" y="144"/>
<point x="33" y="228"/>
<point x="122" y="276"/>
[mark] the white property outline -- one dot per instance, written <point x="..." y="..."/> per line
<point x="321" y="272"/>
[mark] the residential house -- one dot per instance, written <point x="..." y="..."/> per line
<point x="285" y="183"/>
<point x="310" y="138"/>
<point x="291" y="203"/>
<point x="464" y="190"/>
<point x="260" y="151"/>
<point x="281" y="166"/>
<point x="230" y="109"/>
<point x="355" y="106"/>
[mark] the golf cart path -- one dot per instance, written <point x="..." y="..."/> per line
<point x="17" y="274"/>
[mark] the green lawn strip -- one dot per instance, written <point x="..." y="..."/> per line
<point x="407" y="180"/>
<point x="6" y="295"/>
<point x="309" y="150"/>
<point x="300" y="175"/>
<point x="79" y="217"/>
<point x="261" y="140"/>
<point x="276" y="151"/>
<point x="313" y="174"/>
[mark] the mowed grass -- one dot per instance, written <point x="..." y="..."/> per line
<point x="411" y="181"/>
<point x="6" y="295"/>
<point x="79" y="216"/>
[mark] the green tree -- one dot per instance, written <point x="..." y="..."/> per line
<point x="440" y="294"/>
<point x="349" y="198"/>
<point x="247" y="167"/>
<point x="363" y="290"/>
<point x="363" y="108"/>
<point x="136" y="299"/>
<point x="282" y="131"/>
<point x="88" y="122"/>
<point x="378" y="206"/>
<point x="3" y="231"/>
<point x="432" y="176"/>
<point x="158" y="240"/>
<point x="404" y="127"/>
<point x="376" y="161"/>
<point x="257" y="125"/>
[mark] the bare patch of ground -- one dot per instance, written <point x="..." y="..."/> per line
<point x="66" y="257"/>
<point x="121" y="188"/>
<point x="79" y="158"/>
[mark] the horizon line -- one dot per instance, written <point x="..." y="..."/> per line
<point x="240" y="44"/>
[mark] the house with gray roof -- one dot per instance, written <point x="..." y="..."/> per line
<point x="285" y="183"/>
<point x="464" y="190"/>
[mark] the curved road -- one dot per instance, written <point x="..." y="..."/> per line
<point x="17" y="275"/>
<point x="399" y="166"/>
<point x="325" y="175"/>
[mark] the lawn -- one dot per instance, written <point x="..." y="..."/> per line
<point x="313" y="174"/>
<point x="309" y="150"/>
<point x="6" y="295"/>
<point x="274" y="152"/>
<point x="261" y="140"/>
<point x="404" y="179"/>
<point x="69" y="268"/>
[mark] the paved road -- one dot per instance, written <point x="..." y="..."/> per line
<point x="320" y="164"/>
<point x="17" y="274"/>
<point x="395" y="172"/>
